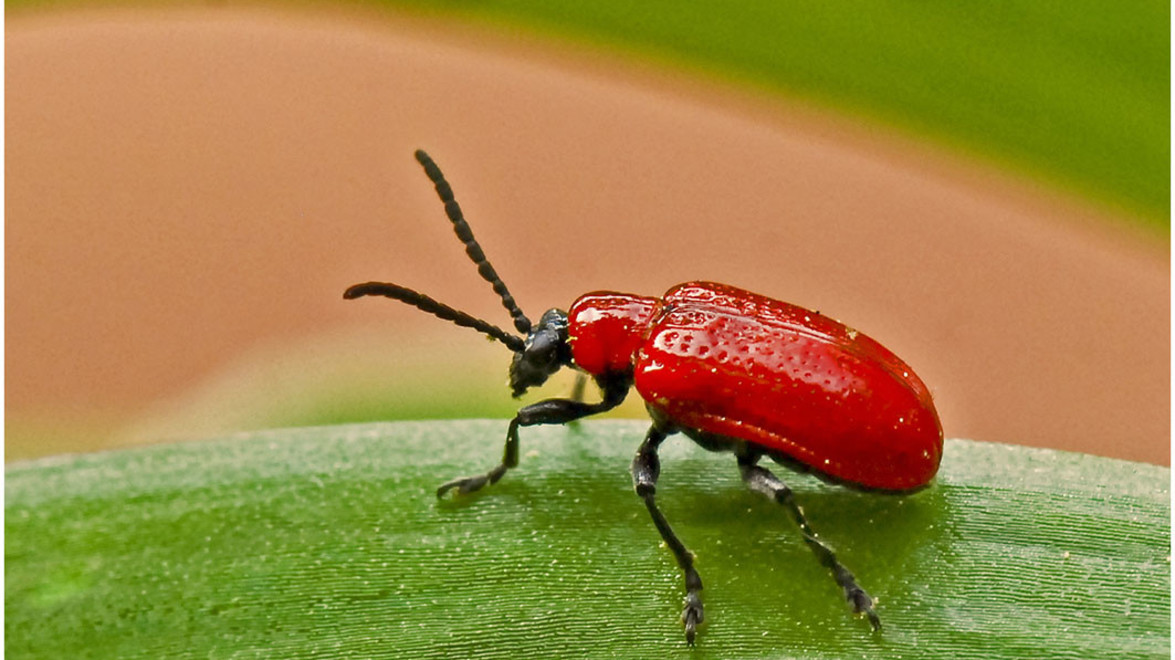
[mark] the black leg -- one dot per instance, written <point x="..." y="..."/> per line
<point x="646" y="467"/>
<point x="761" y="480"/>
<point x="550" y="411"/>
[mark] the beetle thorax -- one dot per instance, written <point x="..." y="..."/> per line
<point x="607" y="329"/>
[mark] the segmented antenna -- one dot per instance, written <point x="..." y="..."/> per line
<point x="438" y="309"/>
<point x="487" y="272"/>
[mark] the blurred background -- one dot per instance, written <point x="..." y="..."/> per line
<point x="984" y="188"/>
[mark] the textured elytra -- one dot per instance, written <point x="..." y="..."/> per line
<point x="716" y="359"/>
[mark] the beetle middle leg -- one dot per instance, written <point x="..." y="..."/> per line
<point x="549" y="411"/>
<point x="646" y="467"/>
<point x="761" y="480"/>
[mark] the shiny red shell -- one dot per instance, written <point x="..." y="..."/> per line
<point x="725" y="361"/>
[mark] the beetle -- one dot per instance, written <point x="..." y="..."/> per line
<point x="732" y="370"/>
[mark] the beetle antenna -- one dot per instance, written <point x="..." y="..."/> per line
<point x="472" y="248"/>
<point x="437" y="309"/>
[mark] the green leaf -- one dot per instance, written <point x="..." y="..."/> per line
<point x="329" y="542"/>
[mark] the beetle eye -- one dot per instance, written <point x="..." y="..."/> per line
<point x="543" y="346"/>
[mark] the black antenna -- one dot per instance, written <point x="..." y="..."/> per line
<point x="438" y="309"/>
<point x="487" y="272"/>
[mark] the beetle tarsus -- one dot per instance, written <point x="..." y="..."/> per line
<point x="693" y="615"/>
<point x="463" y="485"/>
<point x="862" y="603"/>
<point x="466" y="485"/>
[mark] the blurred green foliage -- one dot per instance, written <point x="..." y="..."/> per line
<point x="1076" y="92"/>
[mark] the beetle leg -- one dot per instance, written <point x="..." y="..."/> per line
<point x="549" y="411"/>
<point x="761" y="480"/>
<point x="646" y="467"/>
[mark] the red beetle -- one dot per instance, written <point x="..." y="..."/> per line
<point x="734" y="371"/>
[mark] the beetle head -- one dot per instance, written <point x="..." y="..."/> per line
<point x="546" y="351"/>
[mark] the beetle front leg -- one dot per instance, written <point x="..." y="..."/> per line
<point x="549" y="411"/>
<point x="646" y="468"/>
<point x="479" y="481"/>
<point x="761" y="480"/>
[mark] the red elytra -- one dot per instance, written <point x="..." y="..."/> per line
<point x="733" y="363"/>
<point x="734" y="371"/>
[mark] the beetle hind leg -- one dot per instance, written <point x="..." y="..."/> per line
<point x="646" y="467"/>
<point x="761" y="480"/>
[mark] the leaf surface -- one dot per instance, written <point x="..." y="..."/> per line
<point x="329" y="542"/>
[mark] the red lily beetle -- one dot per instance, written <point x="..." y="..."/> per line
<point x="734" y="371"/>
